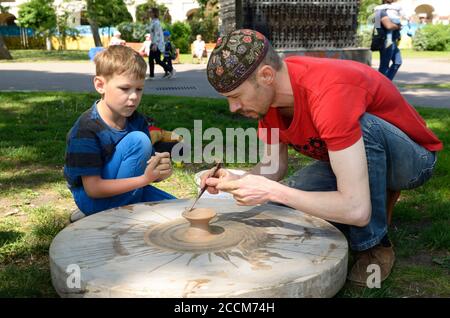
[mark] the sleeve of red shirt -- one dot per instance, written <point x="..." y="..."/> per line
<point x="336" y="115"/>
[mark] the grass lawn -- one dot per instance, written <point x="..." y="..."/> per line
<point x="45" y="56"/>
<point x="35" y="203"/>
<point x="411" y="54"/>
<point x="442" y="86"/>
<point x="72" y="55"/>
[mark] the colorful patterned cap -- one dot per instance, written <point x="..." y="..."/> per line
<point x="234" y="58"/>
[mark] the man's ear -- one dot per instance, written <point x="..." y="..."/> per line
<point x="99" y="84"/>
<point x="266" y="74"/>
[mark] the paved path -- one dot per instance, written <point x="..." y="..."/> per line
<point x="424" y="71"/>
<point x="77" y="77"/>
<point x="191" y="79"/>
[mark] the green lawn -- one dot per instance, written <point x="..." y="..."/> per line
<point x="45" y="56"/>
<point x="42" y="55"/>
<point x="411" y="54"/>
<point x="72" y="56"/>
<point x="35" y="203"/>
<point x="442" y="86"/>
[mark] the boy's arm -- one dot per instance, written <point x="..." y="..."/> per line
<point x="97" y="187"/>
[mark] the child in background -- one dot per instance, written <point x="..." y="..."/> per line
<point x="145" y="48"/>
<point x="116" y="39"/>
<point x="169" y="55"/>
<point x="110" y="160"/>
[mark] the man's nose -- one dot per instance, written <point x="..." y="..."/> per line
<point x="234" y="107"/>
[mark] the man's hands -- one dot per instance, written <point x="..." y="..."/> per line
<point x="212" y="181"/>
<point x="247" y="190"/>
<point x="159" y="167"/>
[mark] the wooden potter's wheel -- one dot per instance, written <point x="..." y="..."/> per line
<point x="151" y="250"/>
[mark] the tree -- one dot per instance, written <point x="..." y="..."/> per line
<point x="4" y="52"/>
<point x="366" y="11"/>
<point x="40" y="16"/>
<point x="103" y="13"/>
<point x="206" y="21"/>
<point x="142" y="12"/>
<point x="63" y="10"/>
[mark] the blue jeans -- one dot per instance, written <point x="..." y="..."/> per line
<point x="391" y="53"/>
<point x="129" y="160"/>
<point x="394" y="161"/>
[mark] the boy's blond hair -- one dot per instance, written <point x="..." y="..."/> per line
<point x="118" y="60"/>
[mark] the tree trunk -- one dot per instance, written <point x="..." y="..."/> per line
<point x="95" y="34"/>
<point x="4" y="53"/>
<point x="48" y="43"/>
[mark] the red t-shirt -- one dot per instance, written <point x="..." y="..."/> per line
<point x="329" y="98"/>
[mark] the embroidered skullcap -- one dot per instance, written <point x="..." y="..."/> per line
<point x="234" y="59"/>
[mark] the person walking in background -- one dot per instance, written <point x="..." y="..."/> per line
<point x="157" y="46"/>
<point x="169" y="55"/>
<point x="199" y="48"/>
<point x="389" y="53"/>
<point x="395" y="12"/>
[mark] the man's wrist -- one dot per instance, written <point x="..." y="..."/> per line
<point x="276" y="192"/>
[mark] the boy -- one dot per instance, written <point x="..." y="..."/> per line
<point x="109" y="160"/>
<point x="169" y="55"/>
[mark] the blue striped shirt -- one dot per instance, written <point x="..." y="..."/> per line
<point x="91" y="143"/>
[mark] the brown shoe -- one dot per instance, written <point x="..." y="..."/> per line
<point x="380" y="255"/>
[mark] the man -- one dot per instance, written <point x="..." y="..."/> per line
<point x="368" y="141"/>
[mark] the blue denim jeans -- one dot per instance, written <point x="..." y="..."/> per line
<point x="394" y="161"/>
<point x="391" y="53"/>
<point x="129" y="160"/>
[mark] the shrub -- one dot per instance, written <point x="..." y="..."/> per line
<point x="207" y="27"/>
<point x="33" y="42"/>
<point x="432" y="38"/>
<point x="132" y="31"/>
<point x="181" y="32"/>
<point x="365" y="37"/>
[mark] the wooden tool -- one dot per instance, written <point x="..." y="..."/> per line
<point x="213" y="172"/>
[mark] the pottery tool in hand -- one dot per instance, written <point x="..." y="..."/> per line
<point x="213" y="172"/>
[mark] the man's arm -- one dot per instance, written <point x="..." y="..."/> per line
<point x="274" y="164"/>
<point x="350" y="204"/>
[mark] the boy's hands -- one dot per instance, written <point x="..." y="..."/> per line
<point x="159" y="167"/>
